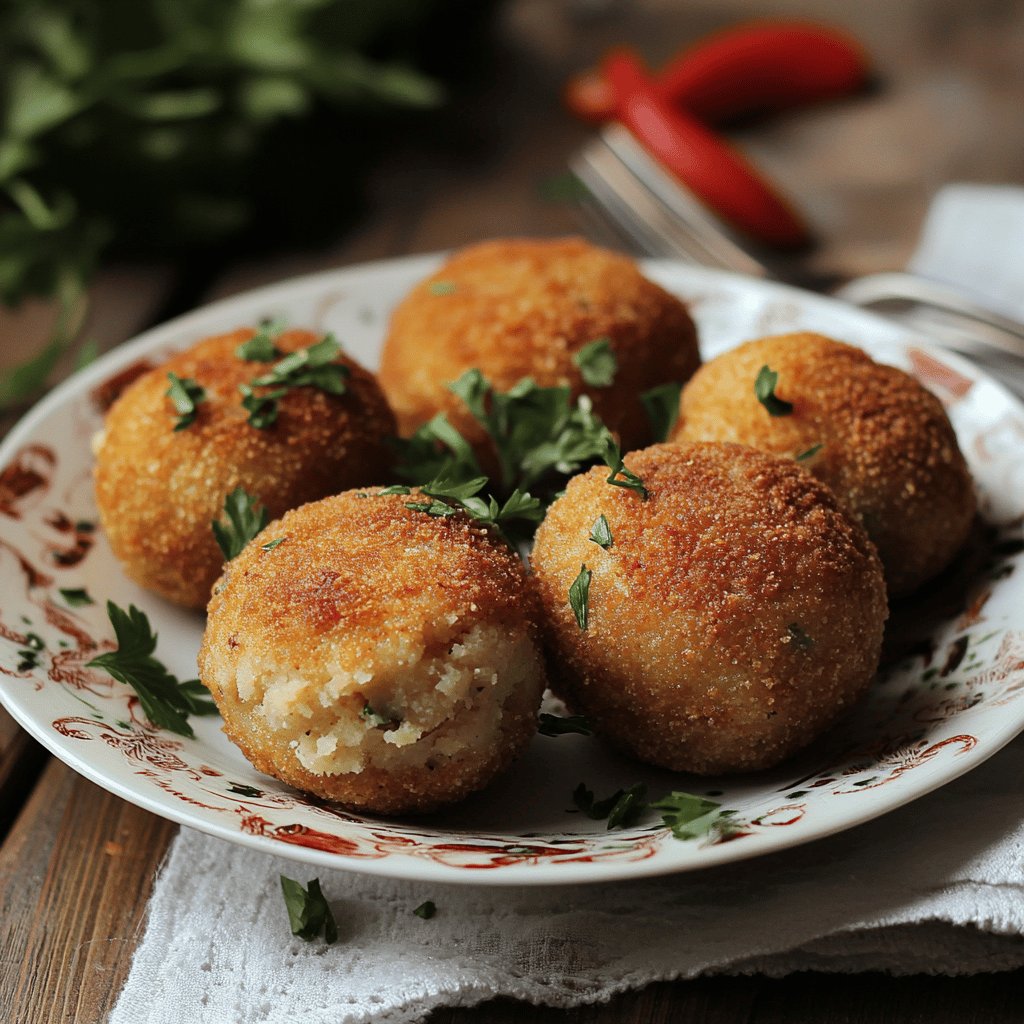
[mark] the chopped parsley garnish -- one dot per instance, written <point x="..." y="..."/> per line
<point x="597" y="363"/>
<point x="661" y="404"/>
<point x="394" y="489"/>
<point x="601" y="533"/>
<point x="309" y="913"/>
<point x="306" y="367"/>
<point x="629" y="479"/>
<point x="451" y="496"/>
<point x="809" y="453"/>
<point x="375" y="718"/>
<point x="427" y="909"/>
<point x="245" y="517"/>
<point x="579" y="596"/>
<point x="76" y="597"/>
<point x="688" y="816"/>
<point x="799" y="637"/>
<point x="260" y="348"/>
<point x="271" y="544"/>
<point x="441" y="287"/>
<point x="556" y="725"/>
<point x="166" y="701"/>
<point x="764" y="391"/>
<point x="185" y="394"/>
<point x="621" y="809"/>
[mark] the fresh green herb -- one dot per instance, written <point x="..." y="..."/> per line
<point x="579" y="596"/>
<point x="34" y="642"/>
<point x="809" y="453"/>
<point x="260" y="348"/>
<point x="799" y="637"/>
<point x="613" y="459"/>
<point x="76" y="597"/>
<point x="245" y="517"/>
<point x="661" y="404"/>
<point x="185" y="394"/>
<point x="394" y="489"/>
<point x="427" y="909"/>
<point x="601" y="532"/>
<point x="27" y="659"/>
<point x="688" y="816"/>
<point x="309" y="367"/>
<point x="271" y="544"/>
<point x="621" y="809"/>
<point x="556" y="725"/>
<point x="375" y="718"/>
<point x="441" y="287"/>
<point x="262" y="409"/>
<point x="465" y="496"/>
<point x="166" y="701"/>
<point x="597" y="363"/>
<point x="764" y="391"/>
<point x="437" y="509"/>
<point x="309" y="913"/>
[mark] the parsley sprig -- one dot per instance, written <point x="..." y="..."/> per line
<point x="244" y="518"/>
<point x="621" y="809"/>
<point x="185" y="395"/>
<point x="309" y="913"/>
<point x="620" y="476"/>
<point x="579" y="596"/>
<point x="601" y="532"/>
<point x="447" y="497"/>
<point x="260" y="348"/>
<point x="597" y="363"/>
<point x="166" y="701"/>
<point x="661" y="404"/>
<point x="764" y="391"/>
<point x="688" y="816"/>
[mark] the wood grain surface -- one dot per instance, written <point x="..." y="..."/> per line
<point x="77" y="864"/>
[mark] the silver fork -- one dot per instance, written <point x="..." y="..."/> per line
<point x="656" y="215"/>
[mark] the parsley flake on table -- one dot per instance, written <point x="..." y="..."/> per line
<point x="76" y="597"/>
<point x="601" y="532"/>
<point x="427" y="909"/>
<point x="808" y="453"/>
<point x="661" y="404"/>
<point x="579" y="596"/>
<point x="764" y="391"/>
<point x="245" y="517"/>
<point x="185" y="395"/>
<point x="597" y="363"/>
<point x="621" y="809"/>
<point x="260" y="348"/>
<point x="688" y="816"/>
<point x="309" y="913"/>
<point x="165" y="701"/>
<point x="629" y="479"/>
<point x="557" y="725"/>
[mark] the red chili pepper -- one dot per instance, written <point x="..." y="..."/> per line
<point x="763" y="67"/>
<point x="757" y="67"/>
<point x="711" y="168"/>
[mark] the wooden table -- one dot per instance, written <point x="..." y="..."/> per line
<point x="76" y="864"/>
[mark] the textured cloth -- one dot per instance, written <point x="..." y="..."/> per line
<point x="936" y="887"/>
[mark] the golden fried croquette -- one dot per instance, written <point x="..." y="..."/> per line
<point x="377" y="656"/>
<point x="737" y="612"/>
<point x="519" y="308"/>
<point x="887" y="448"/>
<point x="158" y="489"/>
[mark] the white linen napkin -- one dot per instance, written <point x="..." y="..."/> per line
<point x="936" y="887"/>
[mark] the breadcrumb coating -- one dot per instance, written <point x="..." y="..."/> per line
<point x="516" y="308"/>
<point x="738" y="612"/>
<point x="377" y="656"/>
<point x="888" y="450"/>
<point x="158" y="489"/>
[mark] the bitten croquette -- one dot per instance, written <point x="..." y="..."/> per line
<point x="879" y="439"/>
<point x="520" y="308"/>
<point x="376" y="656"/>
<point x="736" y="613"/>
<point x="158" y="489"/>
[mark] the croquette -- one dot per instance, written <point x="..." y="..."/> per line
<point x="376" y="656"/>
<point x="159" y="488"/>
<point x="525" y="308"/>
<point x="734" y="614"/>
<point x="873" y="433"/>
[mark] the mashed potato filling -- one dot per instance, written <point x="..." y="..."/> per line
<point x="410" y="705"/>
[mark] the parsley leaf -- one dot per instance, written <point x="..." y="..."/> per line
<point x="621" y="809"/>
<point x="579" y="596"/>
<point x="245" y="518"/>
<point x="809" y="453"/>
<point x="76" y="597"/>
<point x="764" y="391"/>
<point x="260" y="348"/>
<point x="441" y="287"/>
<point x="688" y="816"/>
<point x="427" y="909"/>
<point x="185" y="394"/>
<point x="601" y="532"/>
<point x="556" y="725"/>
<point x="465" y="497"/>
<point x="376" y="718"/>
<point x="271" y="544"/>
<point x="597" y="363"/>
<point x="166" y="701"/>
<point x="262" y="409"/>
<point x="309" y="913"/>
<point x="613" y="459"/>
<point x="661" y="404"/>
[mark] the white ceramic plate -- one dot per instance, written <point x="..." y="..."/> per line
<point x="950" y="703"/>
